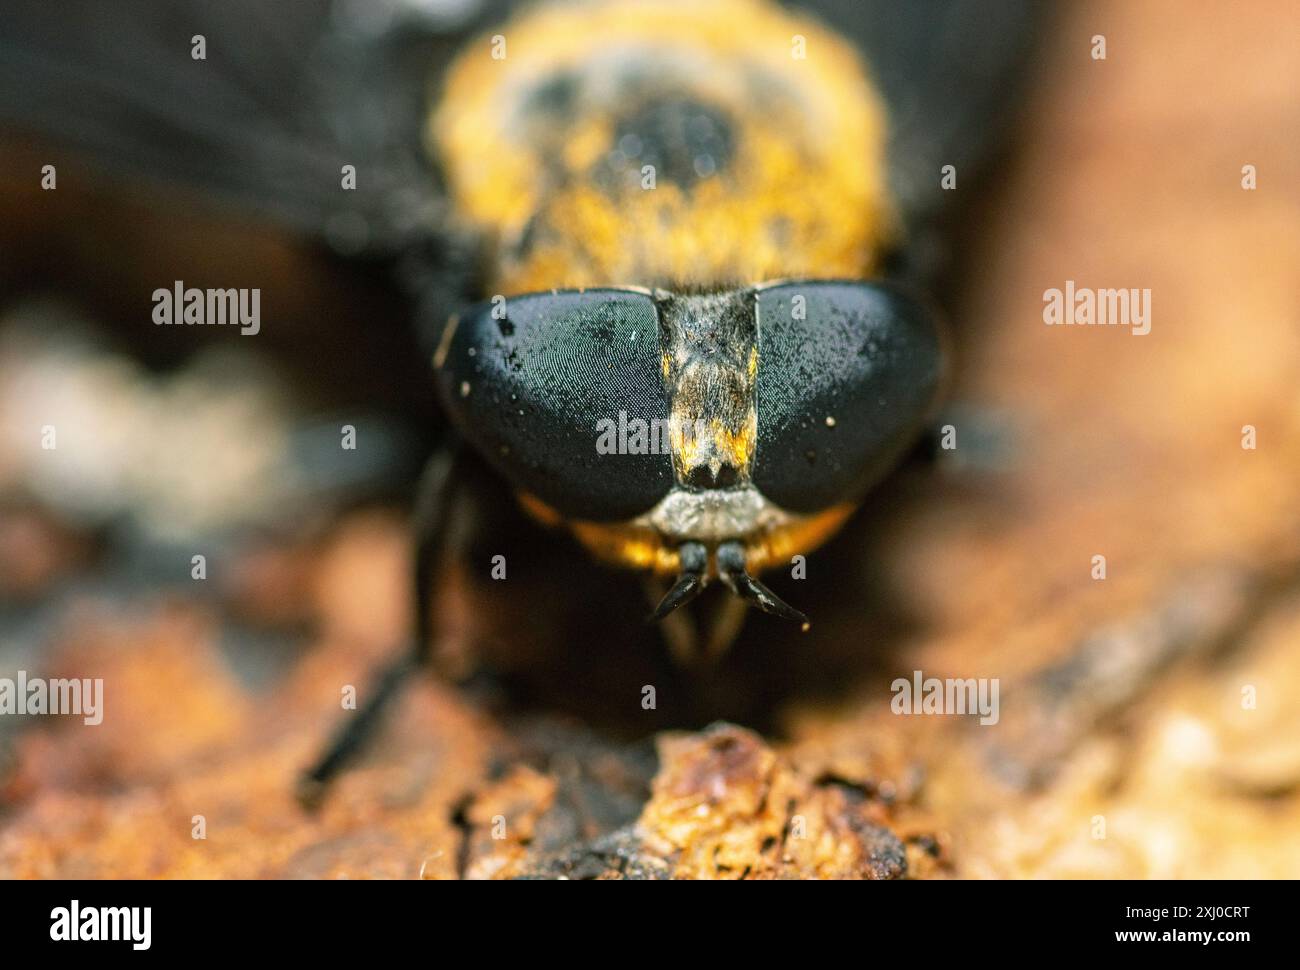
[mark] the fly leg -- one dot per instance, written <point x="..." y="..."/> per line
<point x="728" y="619"/>
<point x="439" y="488"/>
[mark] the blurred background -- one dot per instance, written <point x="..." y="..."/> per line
<point x="1123" y="706"/>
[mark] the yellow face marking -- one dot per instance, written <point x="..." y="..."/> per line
<point x="735" y="447"/>
<point x="802" y="193"/>
<point x="775" y="548"/>
<point x="709" y="377"/>
<point x="635" y="546"/>
<point x="622" y="544"/>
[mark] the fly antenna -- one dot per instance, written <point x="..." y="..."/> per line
<point x="694" y="559"/>
<point x="731" y="567"/>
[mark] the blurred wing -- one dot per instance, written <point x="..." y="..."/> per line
<point x="286" y="95"/>
<point x="951" y="72"/>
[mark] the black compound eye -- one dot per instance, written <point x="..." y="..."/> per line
<point x="544" y="384"/>
<point x="847" y="375"/>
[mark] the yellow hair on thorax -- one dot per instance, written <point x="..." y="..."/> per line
<point x="802" y="193"/>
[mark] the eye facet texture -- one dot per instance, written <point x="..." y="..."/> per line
<point x="847" y="375"/>
<point x="533" y="382"/>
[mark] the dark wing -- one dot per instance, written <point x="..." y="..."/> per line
<point x="951" y="71"/>
<point x="287" y="94"/>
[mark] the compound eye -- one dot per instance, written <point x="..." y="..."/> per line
<point x="848" y="373"/>
<point x="560" y="391"/>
